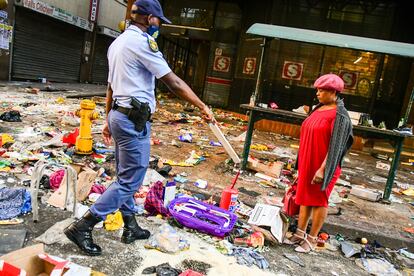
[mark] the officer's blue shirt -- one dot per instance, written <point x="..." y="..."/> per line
<point x="133" y="66"/>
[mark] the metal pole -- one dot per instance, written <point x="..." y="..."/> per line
<point x="393" y="169"/>
<point x="408" y="111"/>
<point x="376" y="87"/>
<point x="256" y="92"/>
<point x="248" y="140"/>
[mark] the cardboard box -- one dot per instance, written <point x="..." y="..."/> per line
<point x="272" y="169"/>
<point x="33" y="261"/>
<point x="264" y="215"/>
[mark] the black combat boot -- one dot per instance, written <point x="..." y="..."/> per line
<point x="132" y="231"/>
<point x="80" y="232"/>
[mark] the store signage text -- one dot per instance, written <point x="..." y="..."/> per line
<point x="57" y="13"/>
<point x="93" y="11"/>
<point x="249" y="66"/>
<point x="221" y="64"/>
<point x="292" y="70"/>
<point x="107" y="31"/>
<point x="350" y="79"/>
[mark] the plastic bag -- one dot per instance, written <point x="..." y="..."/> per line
<point x="167" y="240"/>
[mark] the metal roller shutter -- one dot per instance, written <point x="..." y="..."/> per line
<point x="100" y="64"/>
<point x="45" y="47"/>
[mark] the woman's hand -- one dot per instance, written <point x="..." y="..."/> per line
<point x="319" y="175"/>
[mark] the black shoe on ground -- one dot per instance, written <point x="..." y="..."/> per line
<point x="80" y="233"/>
<point x="132" y="231"/>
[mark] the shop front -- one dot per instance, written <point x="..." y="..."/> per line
<point x="48" y="43"/>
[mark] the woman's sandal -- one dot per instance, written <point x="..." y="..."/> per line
<point x="310" y="241"/>
<point x="296" y="238"/>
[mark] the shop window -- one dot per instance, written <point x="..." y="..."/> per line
<point x="293" y="63"/>
<point x="248" y="57"/>
<point x="193" y="13"/>
<point x="358" y="69"/>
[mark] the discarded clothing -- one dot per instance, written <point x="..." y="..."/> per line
<point x="248" y="257"/>
<point x="164" y="269"/>
<point x="97" y="189"/>
<point x="114" y="222"/>
<point x="154" y="204"/>
<point x="56" y="178"/>
<point x="14" y="202"/>
<point x="11" y="116"/>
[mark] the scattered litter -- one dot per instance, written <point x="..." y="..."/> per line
<point x="409" y="192"/>
<point x="11" y="116"/>
<point x="201" y="216"/>
<point x="350" y="249"/>
<point x="268" y="216"/>
<point x="215" y="144"/>
<point x="164" y="269"/>
<point x="249" y="257"/>
<point x="55" y="233"/>
<point x="378" y="267"/>
<point x="409" y="230"/>
<point x="180" y="179"/>
<point x="12" y="221"/>
<point x="55" y="179"/>
<point x="200" y="183"/>
<point x="114" y="221"/>
<point x="383" y="166"/>
<point x="14" y="202"/>
<point x="167" y="240"/>
<point x="188" y="137"/>
<point x="294" y="258"/>
<point x="151" y="177"/>
<point x="154" y="204"/>
<point x="259" y="147"/>
<point x="406" y="253"/>
<point x="240" y="138"/>
<point x="366" y="193"/>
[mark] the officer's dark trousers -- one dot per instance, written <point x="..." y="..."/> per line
<point x="132" y="152"/>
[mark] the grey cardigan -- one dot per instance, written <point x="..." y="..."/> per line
<point x="341" y="141"/>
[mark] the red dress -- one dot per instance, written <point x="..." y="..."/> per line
<point x="315" y="134"/>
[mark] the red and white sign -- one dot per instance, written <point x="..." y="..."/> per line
<point x="292" y="70"/>
<point x="249" y="66"/>
<point x="350" y="79"/>
<point x="221" y="64"/>
<point x="93" y="10"/>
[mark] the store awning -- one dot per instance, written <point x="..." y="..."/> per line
<point x="333" y="39"/>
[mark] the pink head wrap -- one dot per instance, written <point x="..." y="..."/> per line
<point x="329" y="82"/>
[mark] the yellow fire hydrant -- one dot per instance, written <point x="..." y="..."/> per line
<point x="87" y="114"/>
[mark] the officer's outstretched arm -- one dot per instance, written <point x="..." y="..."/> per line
<point x="182" y="90"/>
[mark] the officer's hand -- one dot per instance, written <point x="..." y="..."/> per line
<point x="208" y="115"/>
<point x="106" y="135"/>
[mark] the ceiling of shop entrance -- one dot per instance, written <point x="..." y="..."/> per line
<point x="333" y="39"/>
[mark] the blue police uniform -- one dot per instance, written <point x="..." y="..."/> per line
<point x="133" y="64"/>
<point x="134" y="61"/>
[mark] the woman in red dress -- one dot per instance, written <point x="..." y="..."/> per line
<point x="325" y="137"/>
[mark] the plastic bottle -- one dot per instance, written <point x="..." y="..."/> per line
<point x="229" y="199"/>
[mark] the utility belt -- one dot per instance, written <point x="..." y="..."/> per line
<point x="139" y="114"/>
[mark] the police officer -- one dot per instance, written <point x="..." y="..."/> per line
<point x="134" y="60"/>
